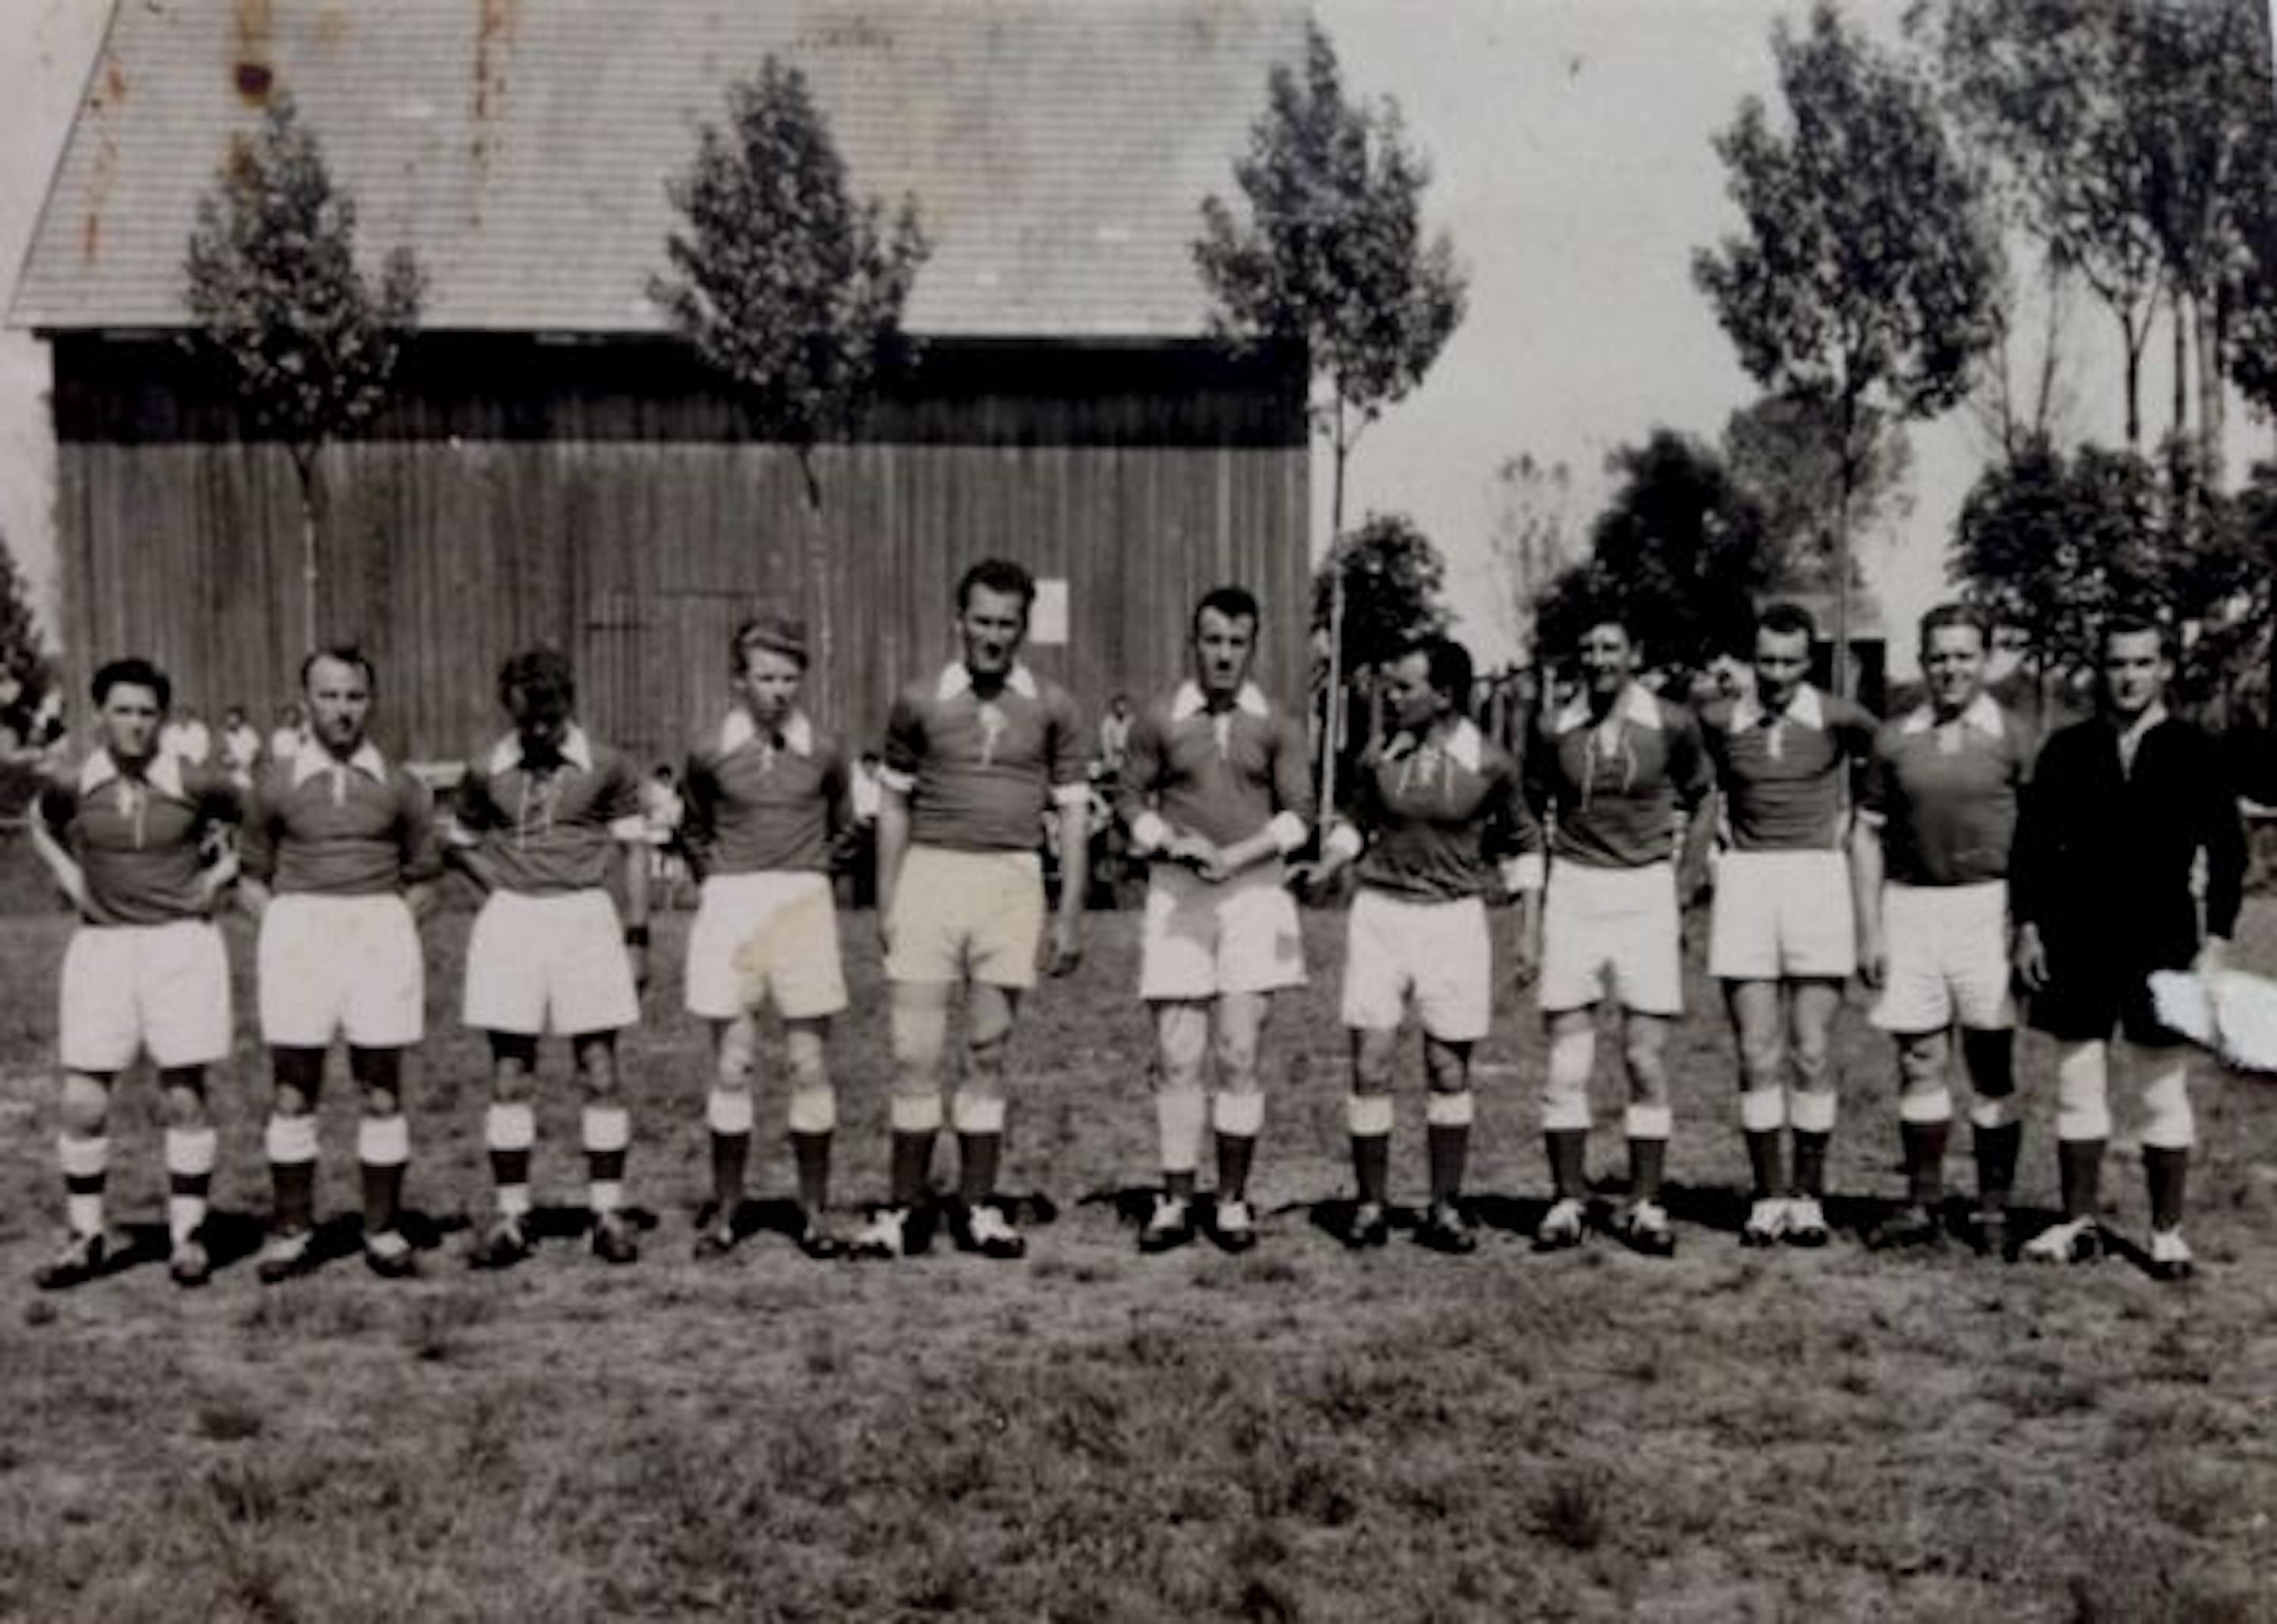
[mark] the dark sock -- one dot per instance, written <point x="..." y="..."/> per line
<point x="1449" y="1148"/>
<point x="1924" y="1148"/>
<point x="2079" y="1165"/>
<point x="2166" y="1173"/>
<point x="912" y="1167"/>
<point x="382" y="1197"/>
<point x="1567" y="1149"/>
<point x="1646" y="1157"/>
<point x="295" y="1187"/>
<point x="1235" y="1152"/>
<point x="1372" y="1167"/>
<point x="1763" y="1160"/>
<point x="1996" y="1164"/>
<point x="809" y="1157"/>
<point x="1810" y="1164"/>
<point x="976" y="1155"/>
<point x="731" y="1154"/>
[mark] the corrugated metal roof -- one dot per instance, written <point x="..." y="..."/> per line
<point x="1059" y="150"/>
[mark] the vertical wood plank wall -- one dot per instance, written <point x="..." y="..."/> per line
<point x="637" y="548"/>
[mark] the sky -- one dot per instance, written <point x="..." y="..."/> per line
<point x="1572" y="164"/>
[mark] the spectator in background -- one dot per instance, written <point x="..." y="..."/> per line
<point x="285" y="738"/>
<point x="661" y="811"/>
<point x="30" y="728"/>
<point x="188" y="738"/>
<point x="868" y="794"/>
<point x="1114" y="735"/>
<point x="240" y="745"/>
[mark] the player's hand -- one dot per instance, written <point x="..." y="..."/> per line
<point x="1064" y="950"/>
<point x="1873" y="960"/>
<point x="212" y="883"/>
<point x="1526" y="959"/>
<point x="2031" y="958"/>
<point x="1211" y="864"/>
<point x="2212" y="960"/>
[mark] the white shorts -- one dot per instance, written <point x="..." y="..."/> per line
<point x="1782" y="914"/>
<point x="129" y="988"/>
<point x="761" y="937"/>
<point x="1200" y="940"/>
<point x="1439" y="952"/>
<point x="967" y="914"/>
<point x="557" y="963"/>
<point x="1611" y="933"/>
<point x="349" y="965"/>
<point x="1948" y="957"/>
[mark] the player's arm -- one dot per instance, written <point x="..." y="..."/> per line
<point x="699" y="814"/>
<point x="1694" y="780"/>
<point x="1137" y="795"/>
<point x="1514" y="840"/>
<point x="1072" y="803"/>
<point x="256" y="853"/>
<point x="1344" y="837"/>
<point x="220" y="807"/>
<point x="2032" y="847"/>
<point x="897" y="781"/>
<point x="51" y="816"/>
<point x="474" y="816"/>
<point x="419" y="843"/>
<point x="627" y="823"/>
<point x="2221" y="833"/>
<point x="1287" y="830"/>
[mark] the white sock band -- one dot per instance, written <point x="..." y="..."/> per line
<point x="2168" y="1122"/>
<point x="513" y="1200"/>
<point x="1179" y="1114"/>
<point x="1930" y="1106"/>
<point x="1238" y="1116"/>
<point x="1763" y="1111"/>
<point x="812" y="1111"/>
<point x="290" y="1140"/>
<point x="1565" y="1086"/>
<point x="1368" y="1116"/>
<point x="83" y="1213"/>
<point x="2083" y="1092"/>
<point x="915" y="1114"/>
<point x="605" y="1194"/>
<point x="1456" y="1110"/>
<point x="190" y="1151"/>
<point x="977" y="1113"/>
<point x="607" y="1128"/>
<point x="1988" y="1110"/>
<point x="384" y="1141"/>
<point x="510" y="1127"/>
<point x="184" y="1214"/>
<point x="728" y="1110"/>
<point x="83" y="1158"/>
<point x="1649" y="1121"/>
<point x="1811" y="1111"/>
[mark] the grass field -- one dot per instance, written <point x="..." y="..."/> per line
<point x="1095" y="1436"/>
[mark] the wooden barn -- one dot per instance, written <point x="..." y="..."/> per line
<point x="558" y="466"/>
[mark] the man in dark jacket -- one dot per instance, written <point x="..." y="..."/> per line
<point x="2118" y="811"/>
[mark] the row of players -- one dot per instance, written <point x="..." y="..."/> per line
<point x="1963" y="870"/>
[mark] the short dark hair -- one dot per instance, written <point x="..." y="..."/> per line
<point x="2135" y="622"/>
<point x="133" y="672"/>
<point x="1447" y="665"/>
<point x="998" y="575"/>
<point x="1946" y="615"/>
<point x="538" y="679"/>
<point x="1785" y="619"/>
<point x="1234" y="602"/>
<point x="346" y="653"/>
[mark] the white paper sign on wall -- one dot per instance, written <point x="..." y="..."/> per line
<point x="1047" y="621"/>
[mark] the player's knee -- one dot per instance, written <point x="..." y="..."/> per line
<point x="185" y="1104"/>
<point x="1989" y="1111"/>
<point x="1922" y="1064"/>
<point x="1644" y="1047"/>
<point x="2084" y="1093"/>
<point x="919" y="1036"/>
<point x="2168" y="1123"/>
<point x="597" y="1068"/>
<point x="735" y="1057"/>
<point x="1373" y="1057"/>
<point x="86" y="1105"/>
<point x="382" y="1100"/>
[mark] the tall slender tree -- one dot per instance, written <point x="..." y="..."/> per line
<point x="1866" y="273"/>
<point x="1333" y="257"/>
<point x="308" y="342"/>
<point x="786" y="285"/>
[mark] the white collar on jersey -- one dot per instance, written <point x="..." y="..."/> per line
<point x="739" y="730"/>
<point x="955" y="681"/>
<point x="165" y="772"/>
<point x="312" y="758"/>
<point x="1983" y="714"/>
<point x="577" y="749"/>
<point x="1464" y="743"/>
<point x="1189" y="701"/>
<point x="1805" y="709"/>
<point x="1634" y="705"/>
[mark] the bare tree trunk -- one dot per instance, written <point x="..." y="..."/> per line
<point x="2132" y="332"/>
<point x="1846" y="465"/>
<point x="1332" y="707"/>
<point x="2178" y="319"/>
<point x="2211" y="404"/>
<point x="818" y="574"/>
<point x="304" y="468"/>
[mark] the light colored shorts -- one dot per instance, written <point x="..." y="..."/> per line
<point x="1780" y="915"/>
<point x="1948" y="957"/>
<point x="1439" y="952"/>
<point x="549" y="963"/>
<point x="129" y="988"/>
<point x="960" y="915"/>
<point x="1199" y="939"/>
<point x="761" y="937"/>
<point x="1611" y="933"/>
<point x="350" y="965"/>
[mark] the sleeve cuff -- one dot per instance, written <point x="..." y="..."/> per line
<point x="1346" y="842"/>
<point x="1871" y="818"/>
<point x="1066" y="795"/>
<point x="1149" y="833"/>
<point x="1525" y="872"/>
<point x="632" y="828"/>
<point x="895" y="779"/>
<point x="1288" y="830"/>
